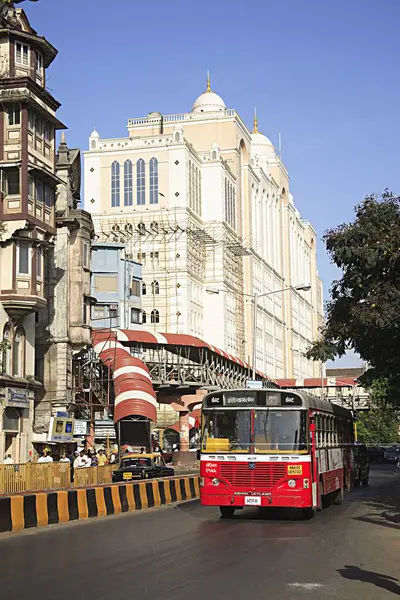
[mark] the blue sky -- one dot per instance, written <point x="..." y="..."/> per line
<point x="324" y="73"/>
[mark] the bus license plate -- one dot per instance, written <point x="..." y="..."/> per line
<point x="295" y="470"/>
<point x="252" y="501"/>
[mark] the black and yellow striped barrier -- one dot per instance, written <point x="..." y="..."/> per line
<point x="48" y="508"/>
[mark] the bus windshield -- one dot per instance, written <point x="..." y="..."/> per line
<point x="228" y="431"/>
<point x="270" y="431"/>
<point x="280" y="430"/>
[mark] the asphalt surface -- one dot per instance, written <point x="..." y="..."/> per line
<point x="188" y="553"/>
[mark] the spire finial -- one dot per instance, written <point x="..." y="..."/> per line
<point x="255" y="123"/>
<point x="208" y="82"/>
<point x="63" y="137"/>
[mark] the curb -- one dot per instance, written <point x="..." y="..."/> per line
<point x="49" y="508"/>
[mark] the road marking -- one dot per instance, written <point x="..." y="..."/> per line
<point x="306" y="586"/>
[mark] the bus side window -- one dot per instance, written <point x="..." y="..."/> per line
<point x="319" y="431"/>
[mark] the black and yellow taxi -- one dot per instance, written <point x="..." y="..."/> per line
<point x="142" y="466"/>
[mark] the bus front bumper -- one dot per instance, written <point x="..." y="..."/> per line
<point x="267" y="499"/>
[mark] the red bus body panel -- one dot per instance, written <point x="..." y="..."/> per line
<point x="266" y="480"/>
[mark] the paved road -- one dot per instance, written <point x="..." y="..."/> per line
<point x="188" y="553"/>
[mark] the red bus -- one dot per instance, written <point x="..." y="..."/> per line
<point x="274" y="448"/>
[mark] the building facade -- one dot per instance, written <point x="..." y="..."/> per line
<point x="116" y="287"/>
<point x="64" y="326"/>
<point x="205" y="206"/>
<point x="28" y="123"/>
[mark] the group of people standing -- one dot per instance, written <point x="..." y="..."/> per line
<point x="92" y="459"/>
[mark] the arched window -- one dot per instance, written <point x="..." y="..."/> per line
<point x="93" y="144"/>
<point x="144" y="289"/>
<point x="214" y="155"/>
<point x="140" y="182"/>
<point x="155" y="288"/>
<point x="153" y="181"/>
<point x="19" y="353"/>
<point x="6" y="350"/>
<point x="177" y="137"/>
<point x="155" y="316"/>
<point x="144" y="316"/>
<point x="128" y="184"/>
<point x="115" y="184"/>
<point x="11" y="417"/>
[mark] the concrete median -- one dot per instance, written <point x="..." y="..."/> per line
<point x="49" y="508"/>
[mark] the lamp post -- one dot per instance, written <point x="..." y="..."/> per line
<point x="256" y="297"/>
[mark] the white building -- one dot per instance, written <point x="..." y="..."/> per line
<point x="205" y="204"/>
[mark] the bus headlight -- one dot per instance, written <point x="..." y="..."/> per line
<point x="215" y="481"/>
<point x="292" y="483"/>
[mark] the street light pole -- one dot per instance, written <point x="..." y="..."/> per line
<point x="255" y="334"/>
<point x="256" y="296"/>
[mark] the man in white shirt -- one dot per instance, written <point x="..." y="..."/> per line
<point x="8" y="460"/>
<point x="45" y="458"/>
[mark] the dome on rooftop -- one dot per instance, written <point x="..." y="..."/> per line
<point x="208" y="101"/>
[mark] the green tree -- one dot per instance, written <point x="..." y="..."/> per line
<point x="379" y="425"/>
<point x="363" y="313"/>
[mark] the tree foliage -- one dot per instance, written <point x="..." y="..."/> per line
<point x="380" y="424"/>
<point x="363" y="313"/>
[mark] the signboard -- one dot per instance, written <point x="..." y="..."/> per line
<point x="61" y="429"/>
<point x="18" y="398"/>
<point x="80" y="427"/>
<point x="252" y="398"/>
<point x="253" y="384"/>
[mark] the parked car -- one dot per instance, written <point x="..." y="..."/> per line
<point x="361" y="465"/>
<point x="376" y="454"/>
<point x="392" y="454"/>
<point x="142" y="466"/>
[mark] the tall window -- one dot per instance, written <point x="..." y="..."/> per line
<point x="155" y="316"/>
<point x="22" y="54"/>
<point x="13" y="182"/>
<point x="39" y="259"/>
<point x="128" y="184"/>
<point x="49" y="196"/>
<point x="39" y="191"/>
<point x="6" y="366"/>
<point x="144" y="316"/>
<point x="23" y="251"/>
<point x="115" y="184"/>
<point x="140" y="182"/>
<point x="14" y="114"/>
<point x="155" y="288"/>
<point x="19" y="353"/>
<point x="144" y="289"/>
<point x="153" y="181"/>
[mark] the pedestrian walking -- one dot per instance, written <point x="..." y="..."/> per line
<point x="94" y="460"/>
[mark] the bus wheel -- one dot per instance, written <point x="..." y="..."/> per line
<point x="227" y="512"/>
<point x="338" y="497"/>
<point x="308" y="513"/>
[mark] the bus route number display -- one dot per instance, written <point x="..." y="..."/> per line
<point x="242" y="400"/>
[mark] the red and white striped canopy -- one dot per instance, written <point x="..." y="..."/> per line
<point x="134" y="393"/>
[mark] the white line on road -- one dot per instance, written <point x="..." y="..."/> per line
<point x="306" y="586"/>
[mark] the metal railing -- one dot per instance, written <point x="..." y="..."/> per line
<point x="88" y="476"/>
<point x="33" y="477"/>
<point x="15" y="479"/>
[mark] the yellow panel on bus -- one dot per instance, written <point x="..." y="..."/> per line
<point x="218" y="445"/>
